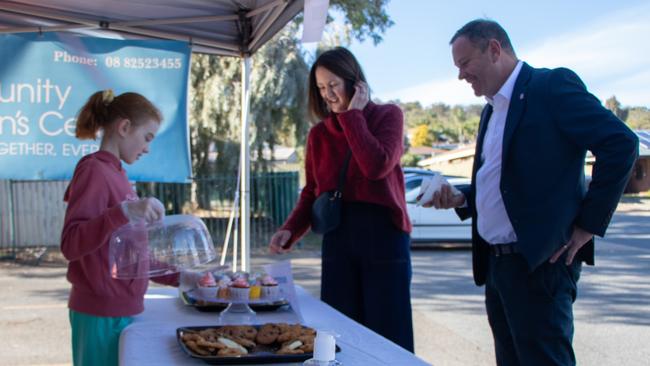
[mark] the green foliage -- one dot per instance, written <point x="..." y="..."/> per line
<point x="459" y="124"/>
<point x="279" y="94"/>
<point x="366" y="18"/>
<point x="441" y="123"/>
<point x="409" y="159"/>
<point x="278" y="91"/>
<point x="639" y="118"/>
<point x="615" y="106"/>
<point x="214" y="111"/>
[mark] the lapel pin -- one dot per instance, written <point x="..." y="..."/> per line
<point x="521" y="96"/>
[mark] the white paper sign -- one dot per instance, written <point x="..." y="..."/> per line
<point x="315" y="18"/>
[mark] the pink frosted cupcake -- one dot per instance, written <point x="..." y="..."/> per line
<point x="270" y="288"/>
<point x="207" y="287"/>
<point x="239" y="289"/>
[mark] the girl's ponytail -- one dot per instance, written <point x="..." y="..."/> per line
<point x="103" y="108"/>
<point x="93" y="116"/>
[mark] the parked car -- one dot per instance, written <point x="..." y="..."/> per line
<point x="430" y="224"/>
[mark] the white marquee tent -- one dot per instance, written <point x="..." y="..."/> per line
<point x="222" y="27"/>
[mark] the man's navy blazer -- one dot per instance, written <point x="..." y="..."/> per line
<point x="552" y="122"/>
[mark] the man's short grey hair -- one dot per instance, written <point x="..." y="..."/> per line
<point x="481" y="31"/>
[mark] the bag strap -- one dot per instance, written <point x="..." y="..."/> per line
<point x="339" y="188"/>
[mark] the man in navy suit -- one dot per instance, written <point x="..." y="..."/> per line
<point x="533" y="218"/>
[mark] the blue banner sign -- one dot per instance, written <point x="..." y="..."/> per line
<point x="46" y="78"/>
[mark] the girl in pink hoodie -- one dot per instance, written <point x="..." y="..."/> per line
<point x="100" y="200"/>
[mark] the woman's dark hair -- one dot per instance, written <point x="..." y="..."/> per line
<point x="341" y="63"/>
<point x="102" y="109"/>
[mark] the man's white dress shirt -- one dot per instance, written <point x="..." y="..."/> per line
<point x="493" y="224"/>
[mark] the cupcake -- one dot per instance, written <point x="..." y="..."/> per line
<point x="270" y="288"/>
<point x="223" y="292"/>
<point x="239" y="289"/>
<point x="256" y="289"/>
<point x="207" y="287"/>
<point x="223" y="283"/>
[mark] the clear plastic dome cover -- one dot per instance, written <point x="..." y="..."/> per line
<point x="142" y="250"/>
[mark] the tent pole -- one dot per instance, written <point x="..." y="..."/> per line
<point x="245" y="161"/>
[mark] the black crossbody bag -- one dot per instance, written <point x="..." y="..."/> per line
<point x="326" y="210"/>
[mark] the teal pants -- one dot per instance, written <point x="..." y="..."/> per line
<point x="95" y="339"/>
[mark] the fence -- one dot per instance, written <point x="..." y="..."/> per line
<point x="32" y="212"/>
<point x="272" y="197"/>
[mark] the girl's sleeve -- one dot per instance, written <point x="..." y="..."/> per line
<point x="89" y="221"/>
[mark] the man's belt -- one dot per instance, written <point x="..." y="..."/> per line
<point x="503" y="249"/>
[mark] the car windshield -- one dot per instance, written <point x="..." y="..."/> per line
<point x="412" y="188"/>
<point x="412" y="195"/>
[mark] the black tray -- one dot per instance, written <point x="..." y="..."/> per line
<point x="221" y="305"/>
<point x="259" y="355"/>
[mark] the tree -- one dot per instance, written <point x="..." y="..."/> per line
<point x="409" y="159"/>
<point x="214" y="106"/>
<point x="366" y="18"/>
<point x="213" y="88"/>
<point x="278" y="92"/>
<point x="446" y="123"/>
<point x="639" y="118"/>
<point x="615" y="106"/>
<point x="278" y="96"/>
<point x="422" y="136"/>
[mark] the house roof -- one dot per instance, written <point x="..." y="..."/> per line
<point x="424" y="150"/>
<point x="463" y="152"/>
<point x="644" y="142"/>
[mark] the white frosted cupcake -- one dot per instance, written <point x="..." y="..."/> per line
<point x="239" y="290"/>
<point x="270" y="288"/>
<point x="207" y="287"/>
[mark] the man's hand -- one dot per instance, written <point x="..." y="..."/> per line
<point x="579" y="238"/>
<point x="278" y="241"/>
<point x="445" y="198"/>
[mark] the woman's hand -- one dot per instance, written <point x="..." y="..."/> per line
<point x="278" y="242"/>
<point x="360" y="97"/>
<point x="147" y="209"/>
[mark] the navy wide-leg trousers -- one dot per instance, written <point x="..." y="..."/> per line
<point x="366" y="272"/>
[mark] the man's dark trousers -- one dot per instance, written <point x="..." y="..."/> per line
<point x="531" y="312"/>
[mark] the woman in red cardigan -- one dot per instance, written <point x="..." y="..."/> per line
<point x="366" y="263"/>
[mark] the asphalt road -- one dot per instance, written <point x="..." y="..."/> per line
<point x="612" y="311"/>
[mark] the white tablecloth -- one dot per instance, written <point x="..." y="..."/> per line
<point x="151" y="338"/>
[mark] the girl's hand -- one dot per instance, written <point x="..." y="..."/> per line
<point x="360" y="97"/>
<point x="147" y="209"/>
<point x="278" y="241"/>
<point x="187" y="279"/>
